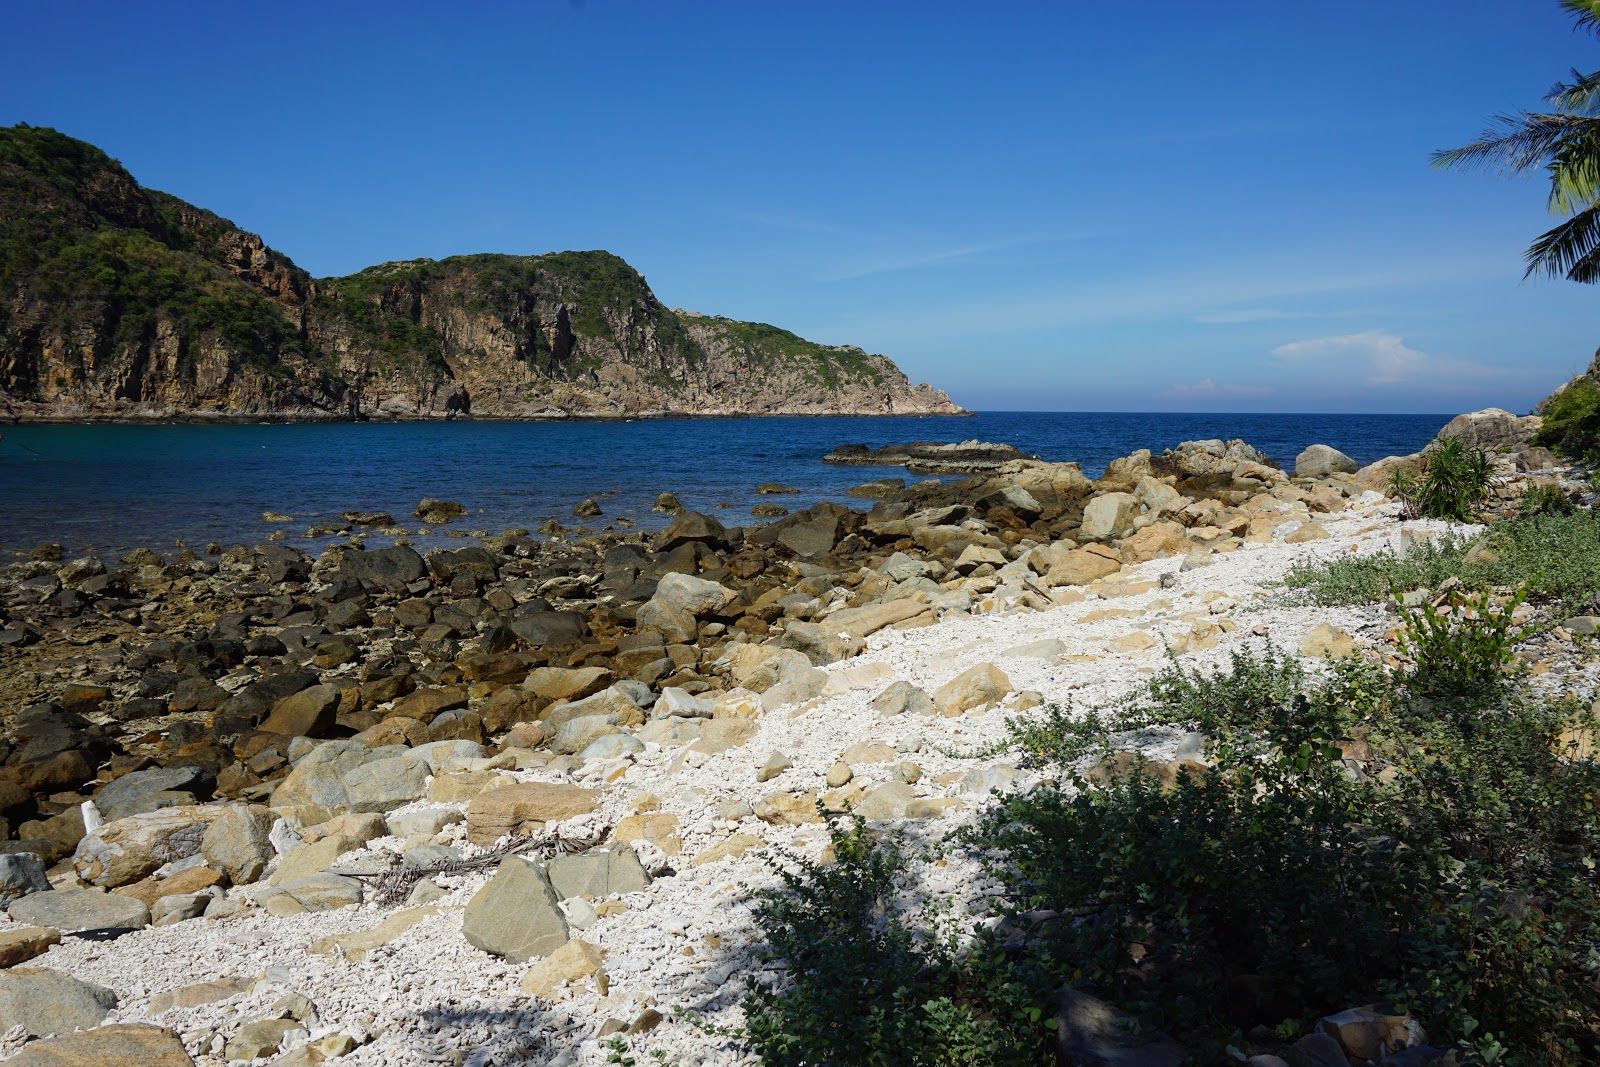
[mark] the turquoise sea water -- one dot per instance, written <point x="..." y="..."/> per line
<point x="109" y="489"/>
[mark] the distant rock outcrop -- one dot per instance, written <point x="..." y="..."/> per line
<point x="928" y="457"/>
<point x="122" y="302"/>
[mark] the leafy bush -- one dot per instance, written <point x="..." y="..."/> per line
<point x="1545" y="499"/>
<point x="865" y="986"/>
<point x="1572" y="421"/>
<point x="1453" y="874"/>
<point x="1453" y="481"/>
<point x="1557" y="556"/>
<point x="1462" y="646"/>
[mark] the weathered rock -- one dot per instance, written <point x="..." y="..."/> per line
<point x="901" y="698"/>
<point x="355" y="946"/>
<point x="597" y="873"/>
<point x="434" y="512"/>
<point x="75" y="910"/>
<point x="692" y="526"/>
<point x="26" y="942"/>
<point x="147" y="790"/>
<point x="674" y="625"/>
<point x="729" y="848"/>
<point x="562" y="683"/>
<point x="321" y="892"/>
<point x="572" y="962"/>
<point x="975" y="687"/>
<point x="1326" y="641"/>
<point x="1107" y="515"/>
<point x="524" y="807"/>
<point x="1080" y="566"/>
<point x="388" y="569"/>
<point x="868" y="619"/>
<point x="21" y="873"/>
<point x="124" y="851"/>
<point x="1319" y="461"/>
<point x="48" y="1002"/>
<point x="776" y="764"/>
<point x="314" y="791"/>
<point x="122" y="1044"/>
<point x="696" y="596"/>
<point x="1492" y="429"/>
<point x="238" y="842"/>
<point x="515" y="915"/>
<point x="260" y="1038"/>
<point x="308" y="713"/>
<point x="790" y="809"/>
<point x="1370" y="1034"/>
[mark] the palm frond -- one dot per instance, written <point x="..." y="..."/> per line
<point x="1569" y="250"/>
<point x="1587" y="12"/>
<point x="1574" y="170"/>
<point x="1580" y="96"/>
<point x="1520" y="142"/>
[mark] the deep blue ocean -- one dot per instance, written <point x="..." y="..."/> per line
<point x="108" y="489"/>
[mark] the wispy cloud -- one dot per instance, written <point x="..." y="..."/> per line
<point x="1387" y="358"/>
<point x="1239" y="316"/>
<point x="1207" y="387"/>
<point x="939" y="257"/>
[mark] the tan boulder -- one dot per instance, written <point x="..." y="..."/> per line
<point x="572" y="962"/>
<point x="789" y="809"/>
<point x="565" y="683"/>
<point x="357" y="944"/>
<point x="975" y="687"/>
<point x="660" y="828"/>
<point x="1158" y="539"/>
<point x="728" y="848"/>
<point x="1080" y="566"/>
<point x="25" y="942"/>
<point x="524" y="807"/>
<point x="1326" y="641"/>
<point x="1108" y="515"/>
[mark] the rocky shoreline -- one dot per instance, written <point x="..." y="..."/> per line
<point x="501" y="802"/>
<point x="56" y="417"/>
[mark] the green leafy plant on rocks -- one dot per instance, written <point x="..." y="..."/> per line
<point x="1453" y="482"/>
<point x="868" y="982"/>
<point x="1372" y="835"/>
<point x="1572" y="421"/>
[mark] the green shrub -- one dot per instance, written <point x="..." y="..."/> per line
<point x="864" y="985"/>
<point x="1545" y="499"/>
<point x="1557" y="556"/>
<point x="1453" y="481"/>
<point x="1572" y="421"/>
<point x="1463" y="646"/>
<point x="1454" y="875"/>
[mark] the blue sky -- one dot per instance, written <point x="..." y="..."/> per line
<point x="1064" y="206"/>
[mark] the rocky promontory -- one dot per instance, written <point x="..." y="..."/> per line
<point x="929" y="457"/>
<point x="120" y="302"/>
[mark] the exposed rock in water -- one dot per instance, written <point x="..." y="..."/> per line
<point x="929" y="457"/>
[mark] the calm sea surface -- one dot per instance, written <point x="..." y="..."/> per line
<point x="109" y="489"/>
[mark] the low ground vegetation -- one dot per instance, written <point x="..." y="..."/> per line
<point x="1423" y="836"/>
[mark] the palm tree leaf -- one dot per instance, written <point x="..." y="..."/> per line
<point x="1520" y="142"/>
<point x="1580" y="96"/>
<point x="1587" y="12"/>
<point x="1568" y="250"/>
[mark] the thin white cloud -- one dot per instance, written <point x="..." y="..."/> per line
<point x="1386" y="357"/>
<point x="939" y="257"/>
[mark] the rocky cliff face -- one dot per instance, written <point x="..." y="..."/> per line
<point x="121" y="302"/>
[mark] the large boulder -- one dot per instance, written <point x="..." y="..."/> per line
<point x="149" y="789"/>
<point x="524" y="807"/>
<point x="1319" y="461"/>
<point x="124" y="851"/>
<point x="977" y="686"/>
<point x="1492" y="429"/>
<point x="307" y="713"/>
<point x="122" y="1044"/>
<point x="314" y="791"/>
<point x="75" y="910"/>
<point x="696" y="596"/>
<point x="238" y="842"/>
<point x="515" y="915"/>
<point x="1108" y="515"/>
<point x="597" y="873"/>
<point x="48" y="1002"/>
<point x="692" y="526"/>
<point x="387" y="569"/>
<point x="1080" y="566"/>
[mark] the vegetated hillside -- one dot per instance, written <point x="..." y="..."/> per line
<point x="118" y="301"/>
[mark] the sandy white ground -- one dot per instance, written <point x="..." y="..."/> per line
<point x="682" y="944"/>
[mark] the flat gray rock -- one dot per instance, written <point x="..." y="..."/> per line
<point x="48" y="1002"/>
<point x="75" y="910"/>
<point x="515" y="915"/>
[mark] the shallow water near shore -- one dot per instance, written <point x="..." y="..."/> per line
<point x="111" y="488"/>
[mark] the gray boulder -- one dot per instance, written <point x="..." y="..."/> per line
<point x="239" y="843"/>
<point x="515" y="915"/>
<point x="597" y="873"/>
<point x="48" y="1002"/>
<point x="21" y="873"/>
<point x="147" y="790"/>
<point x="75" y="910"/>
<point x="1319" y="461"/>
